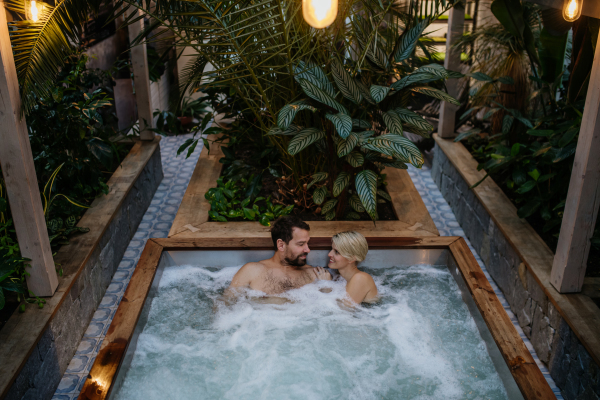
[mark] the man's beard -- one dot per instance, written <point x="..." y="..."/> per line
<point x="296" y="262"/>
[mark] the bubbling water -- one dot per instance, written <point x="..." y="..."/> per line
<point x="418" y="342"/>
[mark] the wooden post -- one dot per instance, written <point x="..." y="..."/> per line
<point x="141" y="78"/>
<point x="583" y="199"/>
<point x="16" y="160"/>
<point x="456" y="23"/>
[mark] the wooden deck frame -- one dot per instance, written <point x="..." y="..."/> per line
<point x="192" y="219"/>
<point x="522" y="366"/>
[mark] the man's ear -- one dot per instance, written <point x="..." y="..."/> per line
<point x="280" y="245"/>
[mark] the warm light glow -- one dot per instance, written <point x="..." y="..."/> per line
<point x="572" y="10"/>
<point x="319" y="13"/>
<point x="34" y="11"/>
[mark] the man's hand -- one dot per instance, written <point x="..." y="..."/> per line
<point x="321" y="274"/>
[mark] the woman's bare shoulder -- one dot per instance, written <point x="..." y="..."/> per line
<point x="362" y="278"/>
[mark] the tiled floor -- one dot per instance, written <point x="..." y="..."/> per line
<point x="157" y="222"/>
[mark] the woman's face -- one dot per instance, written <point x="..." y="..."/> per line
<point x="336" y="260"/>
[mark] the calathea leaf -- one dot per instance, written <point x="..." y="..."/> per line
<point x="288" y="112"/>
<point x="318" y="177"/>
<point x="395" y="164"/>
<point x="328" y="206"/>
<point x="362" y="124"/>
<point x="342" y="123"/>
<point x="356" y="159"/>
<point x="384" y="194"/>
<point x="321" y="96"/>
<point x="291" y="130"/>
<point x="393" y="122"/>
<point x="352" y="216"/>
<point x="435" y="93"/>
<point x="414" y="78"/>
<point x="409" y="40"/>
<point x="366" y="188"/>
<point x="434" y="69"/>
<point x="345" y="146"/>
<point x="364" y="90"/>
<point x="374" y="53"/>
<point x="313" y="74"/>
<point x="340" y="183"/>
<point x="414" y="119"/>
<point x="304" y="139"/>
<point x="507" y="123"/>
<point x="345" y="83"/>
<point x="355" y="203"/>
<point x="330" y="215"/>
<point x="363" y="136"/>
<point x="378" y="93"/>
<point x="400" y="147"/>
<point x="480" y="76"/>
<point x="319" y="195"/>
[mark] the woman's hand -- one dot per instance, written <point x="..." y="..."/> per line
<point x="321" y="274"/>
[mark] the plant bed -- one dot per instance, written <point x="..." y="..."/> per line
<point x="37" y="345"/>
<point x="563" y="328"/>
<point x="192" y="219"/>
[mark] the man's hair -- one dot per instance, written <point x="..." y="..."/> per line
<point x="284" y="226"/>
<point x="351" y="245"/>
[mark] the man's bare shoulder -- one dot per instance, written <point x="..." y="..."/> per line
<point x="247" y="273"/>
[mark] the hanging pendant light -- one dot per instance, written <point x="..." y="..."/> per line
<point x="319" y="13"/>
<point x="572" y="10"/>
<point x="33" y="9"/>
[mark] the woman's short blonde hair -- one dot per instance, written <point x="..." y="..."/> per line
<point x="351" y="245"/>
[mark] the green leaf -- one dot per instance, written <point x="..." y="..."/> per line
<point x="413" y="119"/>
<point x="364" y="91"/>
<point x="355" y="203"/>
<point x="291" y="130"/>
<point x="510" y="15"/>
<point x="467" y="134"/>
<point x="399" y="147"/>
<point x="384" y="194"/>
<point x="507" y="80"/>
<point x="529" y="208"/>
<point x="264" y="220"/>
<point x="543" y="133"/>
<point x="393" y="122"/>
<point x="437" y="94"/>
<point x="413" y="78"/>
<point x="409" y="40"/>
<point x="344" y="147"/>
<point x="535" y="174"/>
<point x="328" y="206"/>
<point x="345" y="83"/>
<point x="319" y="195"/>
<point x="378" y="93"/>
<point x="568" y="136"/>
<point x="507" y="123"/>
<point x="480" y="76"/>
<point x="319" y="95"/>
<point x="433" y="69"/>
<point x="340" y="183"/>
<point x="515" y="149"/>
<point x="361" y="124"/>
<point x="565" y="152"/>
<point x="356" y="159"/>
<point x="330" y="215"/>
<point x="312" y="73"/>
<point x="304" y="139"/>
<point x="352" y="216"/>
<point x="288" y="112"/>
<point x="364" y="135"/>
<point x="342" y="123"/>
<point x="318" y="177"/>
<point x="526" y="187"/>
<point x="366" y="188"/>
<point x="490" y="113"/>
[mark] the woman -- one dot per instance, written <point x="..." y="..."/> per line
<point x="348" y="249"/>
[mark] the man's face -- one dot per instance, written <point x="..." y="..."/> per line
<point x="295" y="252"/>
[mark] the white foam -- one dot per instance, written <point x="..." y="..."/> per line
<point x="419" y="342"/>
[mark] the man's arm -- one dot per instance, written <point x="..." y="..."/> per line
<point x="242" y="279"/>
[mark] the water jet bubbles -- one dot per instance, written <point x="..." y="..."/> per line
<point x="418" y="342"/>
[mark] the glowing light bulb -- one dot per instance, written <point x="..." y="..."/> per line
<point x="319" y="13"/>
<point x="34" y="11"/>
<point x="572" y="10"/>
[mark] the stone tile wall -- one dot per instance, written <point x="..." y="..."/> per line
<point x="47" y="363"/>
<point x="569" y="363"/>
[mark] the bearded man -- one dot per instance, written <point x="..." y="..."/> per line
<point x="287" y="268"/>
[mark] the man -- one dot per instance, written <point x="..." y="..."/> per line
<point x="287" y="268"/>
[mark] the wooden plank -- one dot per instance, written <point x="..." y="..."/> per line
<point x="521" y="364"/>
<point x="21" y="182"/>
<point x="141" y="79"/>
<point x="583" y="198"/>
<point x="23" y="330"/>
<point x="456" y="26"/>
<point x="407" y="202"/>
<point x="591" y="8"/>
<point x="194" y="207"/>
<point x="532" y="250"/>
<point x="113" y="348"/>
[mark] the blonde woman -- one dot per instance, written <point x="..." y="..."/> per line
<point x="347" y="250"/>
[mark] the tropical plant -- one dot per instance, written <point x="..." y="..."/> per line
<point x="235" y="200"/>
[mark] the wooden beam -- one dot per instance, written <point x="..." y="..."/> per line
<point x="591" y="8"/>
<point x="141" y="79"/>
<point x="583" y="199"/>
<point x="16" y="160"/>
<point x="456" y="23"/>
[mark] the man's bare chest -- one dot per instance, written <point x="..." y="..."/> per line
<point x="275" y="282"/>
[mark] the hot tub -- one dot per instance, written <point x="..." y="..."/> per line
<point x="438" y="332"/>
